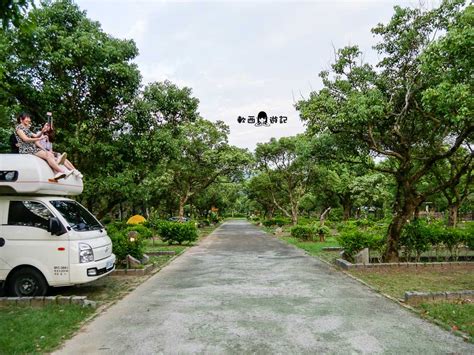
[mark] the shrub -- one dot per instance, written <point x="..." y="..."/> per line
<point x="123" y="246"/>
<point x="154" y="224"/>
<point x="204" y="223"/>
<point x="363" y="223"/>
<point x="106" y="220"/>
<point x="354" y="241"/>
<point x="214" y="217"/>
<point x="177" y="232"/>
<point x="336" y="214"/>
<point x="304" y="221"/>
<point x="254" y="218"/>
<point x="280" y="222"/>
<point x="322" y="231"/>
<point x="302" y="232"/>
<point x="268" y="222"/>
<point x="415" y="237"/>
<point x="452" y="238"/>
<point x="116" y="226"/>
<point x="121" y="243"/>
<point x="469" y="240"/>
<point x="144" y="231"/>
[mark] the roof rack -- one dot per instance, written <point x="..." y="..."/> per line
<point x="27" y="174"/>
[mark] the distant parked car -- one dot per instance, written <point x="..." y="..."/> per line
<point x="179" y="219"/>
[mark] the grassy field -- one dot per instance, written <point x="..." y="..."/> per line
<point x="455" y="316"/>
<point x="38" y="330"/>
<point x="396" y="281"/>
<point x="315" y="248"/>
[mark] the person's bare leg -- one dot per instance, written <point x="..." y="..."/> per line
<point x="49" y="157"/>
<point x="69" y="165"/>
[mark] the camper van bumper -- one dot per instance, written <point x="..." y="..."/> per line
<point x="87" y="272"/>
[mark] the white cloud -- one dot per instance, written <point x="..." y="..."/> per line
<point x="138" y="31"/>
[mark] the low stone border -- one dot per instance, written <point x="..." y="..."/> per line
<point x="415" y="298"/>
<point x="161" y="252"/>
<point x="332" y="249"/>
<point x="138" y="272"/>
<point x="346" y="265"/>
<point x="43" y="301"/>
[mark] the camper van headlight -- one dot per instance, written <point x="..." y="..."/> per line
<point x="85" y="253"/>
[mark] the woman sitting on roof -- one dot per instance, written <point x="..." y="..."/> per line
<point x="26" y="141"/>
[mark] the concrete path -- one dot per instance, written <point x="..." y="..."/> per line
<point x="242" y="291"/>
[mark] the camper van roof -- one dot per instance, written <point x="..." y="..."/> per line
<point x="27" y="174"/>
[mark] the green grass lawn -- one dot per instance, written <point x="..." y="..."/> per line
<point x="315" y="248"/>
<point x="38" y="330"/>
<point x="396" y="281"/>
<point x="456" y="316"/>
<point x="158" y="245"/>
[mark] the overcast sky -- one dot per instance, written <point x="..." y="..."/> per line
<point x="242" y="57"/>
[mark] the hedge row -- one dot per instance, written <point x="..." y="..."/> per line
<point x="419" y="236"/>
<point x="309" y="232"/>
<point x="125" y="243"/>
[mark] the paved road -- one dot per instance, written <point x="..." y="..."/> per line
<point x="242" y="291"/>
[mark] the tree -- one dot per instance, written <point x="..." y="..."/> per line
<point x="205" y="156"/>
<point x="259" y="189"/>
<point x="287" y="173"/>
<point x="461" y="188"/>
<point x="371" y="190"/>
<point x="415" y="109"/>
<point x="13" y="11"/>
<point x="69" y="66"/>
<point x="169" y="104"/>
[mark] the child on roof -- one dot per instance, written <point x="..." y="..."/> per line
<point x="46" y="144"/>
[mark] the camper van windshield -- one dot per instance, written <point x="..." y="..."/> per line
<point x="77" y="216"/>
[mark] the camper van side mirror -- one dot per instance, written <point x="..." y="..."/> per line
<point x="55" y="227"/>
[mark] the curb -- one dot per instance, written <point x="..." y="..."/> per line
<point x="44" y="301"/>
<point x="347" y="265"/>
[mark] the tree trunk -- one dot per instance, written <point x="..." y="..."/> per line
<point x="294" y="215"/>
<point x="453" y="215"/>
<point x="416" y="214"/>
<point x="347" y="207"/>
<point x="322" y="218"/>
<point x="182" y="202"/>
<point x="395" y="229"/>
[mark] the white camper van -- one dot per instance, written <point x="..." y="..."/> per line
<point x="46" y="239"/>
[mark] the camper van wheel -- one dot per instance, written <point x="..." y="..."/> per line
<point x="27" y="282"/>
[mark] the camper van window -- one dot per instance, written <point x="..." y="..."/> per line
<point x="28" y="213"/>
<point x="77" y="216"/>
<point x="8" y="175"/>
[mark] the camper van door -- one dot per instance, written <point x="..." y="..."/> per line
<point x="29" y="242"/>
<point x="4" y="267"/>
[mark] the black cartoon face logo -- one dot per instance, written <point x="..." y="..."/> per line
<point x="262" y="119"/>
